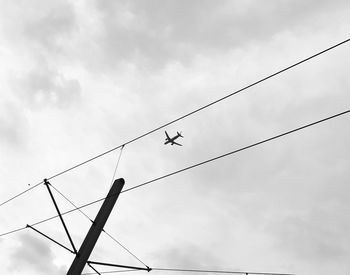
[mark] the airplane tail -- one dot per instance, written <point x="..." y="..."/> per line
<point x="179" y="134"/>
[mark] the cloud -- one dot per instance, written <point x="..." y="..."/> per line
<point x="178" y="56"/>
<point x="317" y="235"/>
<point x="43" y="26"/>
<point x="43" y="86"/>
<point x="132" y="32"/>
<point x="34" y="254"/>
<point x="185" y="255"/>
<point x="12" y="124"/>
<point x="49" y="29"/>
<point x="37" y="44"/>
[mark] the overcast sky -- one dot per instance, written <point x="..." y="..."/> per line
<point x="80" y="77"/>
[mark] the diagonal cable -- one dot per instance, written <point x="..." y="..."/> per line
<point x="184" y="116"/>
<point x="116" y="166"/>
<point x="77" y="208"/>
<point x="109" y="235"/>
<point x="124" y="248"/>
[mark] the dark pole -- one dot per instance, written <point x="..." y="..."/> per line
<point x="95" y="230"/>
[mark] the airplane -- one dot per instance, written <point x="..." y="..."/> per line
<point x="172" y="140"/>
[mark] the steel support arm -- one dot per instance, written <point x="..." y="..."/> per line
<point x="47" y="184"/>
<point x="56" y="242"/>
<point x="122" y="266"/>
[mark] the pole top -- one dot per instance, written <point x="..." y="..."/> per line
<point x="121" y="180"/>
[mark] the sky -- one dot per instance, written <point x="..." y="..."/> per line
<point x="78" y="78"/>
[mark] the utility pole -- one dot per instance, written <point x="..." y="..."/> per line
<point x="92" y="236"/>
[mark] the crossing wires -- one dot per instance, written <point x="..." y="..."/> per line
<point x="104" y="231"/>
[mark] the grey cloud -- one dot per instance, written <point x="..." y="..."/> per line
<point x="39" y="36"/>
<point x="42" y="86"/>
<point x="154" y="33"/>
<point x="12" y="124"/>
<point x="49" y="28"/>
<point x="42" y="25"/>
<point x="186" y="256"/>
<point x="315" y="236"/>
<point x="34" y="254"/>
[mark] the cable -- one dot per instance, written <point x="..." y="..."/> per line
<point x="21" y="193"/>
<point x="236" y="151"/>
<point x="200" y="271"/>
<point x="205" y="106"/>
<point x="125" y="248"/>
<point x="103" y="230"/>
<point x="53" y="217"/>
<point x="116" y="166"/>
<point x="77" y="208"/>
<point x="15" y="230"/>
<point x="184" y="116"/>
<point x="193" y="166"/>
<point x="218" y="271"/>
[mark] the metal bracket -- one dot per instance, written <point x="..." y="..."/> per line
<point x="148" y="269"/>
<point x="56" y="242"/>
<point x="47" y="184"/>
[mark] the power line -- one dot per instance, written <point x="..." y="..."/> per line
<point x="53" y="217"/>
<point x="21" y="193"/>
<point x="124" y="248"/>
<point x="237" y="150"/>
<point x="184" y="116"/>
<point x="193" y="166"/>
<point x="218" y="271"/>
<point x="198" y="271"/>
<point x="117" y="164"/>
<point x="16" y="230"/>
<point x="59" y="192"/>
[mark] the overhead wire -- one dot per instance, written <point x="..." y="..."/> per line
<point x="103" y="230"/>
<point x="218" y="271"/>
<point x="194" y="165"/>
<point x="21" y="193"/>
<point x="15" y="230"/>
<point x="237" y="150"/>
<point x="117" y="164"/>
<point x="198" y="271"/>
<point x="62" y="195"/>
<point x="125" y="248"/>
<point x="184" y="116"/>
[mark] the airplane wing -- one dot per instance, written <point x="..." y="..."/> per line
<point x="176" y="143"/>
<point x="167" y="136"/>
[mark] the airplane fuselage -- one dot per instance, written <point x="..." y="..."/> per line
<point x="171" y="140"/>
